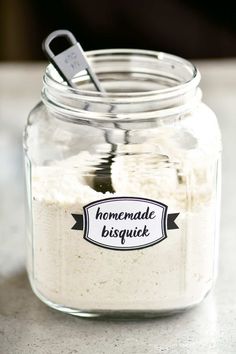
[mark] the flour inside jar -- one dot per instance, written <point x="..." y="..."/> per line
<point x="177" y="271"/>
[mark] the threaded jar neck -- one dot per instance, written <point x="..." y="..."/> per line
<point x="139" y="84"/>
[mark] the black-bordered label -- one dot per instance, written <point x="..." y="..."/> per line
<point x="125" y="223"/>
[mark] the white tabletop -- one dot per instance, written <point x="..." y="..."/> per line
<point x="29" y="326"/>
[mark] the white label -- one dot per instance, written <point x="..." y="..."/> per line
<point x="125" y="223"/>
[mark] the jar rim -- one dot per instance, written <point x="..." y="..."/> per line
<point x="179" y="77"/>
<point x="193" y="81"/>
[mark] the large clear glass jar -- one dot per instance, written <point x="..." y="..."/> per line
<point x="123" y="188"/>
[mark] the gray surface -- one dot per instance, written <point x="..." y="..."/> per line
<point x="28" y="326"/>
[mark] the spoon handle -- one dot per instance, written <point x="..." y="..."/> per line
<point x="70" y="61"/>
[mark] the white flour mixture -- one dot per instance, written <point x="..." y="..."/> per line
<point x="175" y="273"/>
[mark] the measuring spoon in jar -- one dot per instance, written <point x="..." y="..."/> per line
<point x="69" y="63"/>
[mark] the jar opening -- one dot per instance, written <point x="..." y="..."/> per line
<point x="136" y="82"/>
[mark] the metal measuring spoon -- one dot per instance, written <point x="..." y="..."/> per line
<point x="69" y="63"/>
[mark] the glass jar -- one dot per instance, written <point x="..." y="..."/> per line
<point x="123" y="188"/>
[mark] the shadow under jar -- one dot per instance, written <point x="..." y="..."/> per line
<point x="149" y="248"/>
